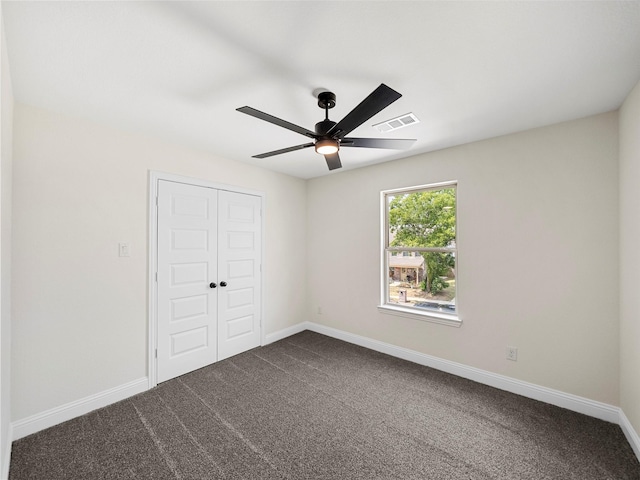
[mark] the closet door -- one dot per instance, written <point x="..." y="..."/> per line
<point x="187" y="269"/>
<point x="239" y="271"/>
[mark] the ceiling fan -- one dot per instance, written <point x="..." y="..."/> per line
<point x="329" y="136"/>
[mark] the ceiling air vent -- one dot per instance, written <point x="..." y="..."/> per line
<point x="397" y="122"/>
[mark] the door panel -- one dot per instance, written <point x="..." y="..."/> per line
<point x="189" y="341"/>
<point x="240" y="298"/>
<point x="189" y="273"/>
<point x="237" y="269"/>
<point x="183" y="239"/>
<point x="239" y="263"/>
<point x="187" y="263"/>
<point x="189" y="308"/>
<point x="239" y="326"/>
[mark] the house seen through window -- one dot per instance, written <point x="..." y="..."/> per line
<point x="419" y="271"/>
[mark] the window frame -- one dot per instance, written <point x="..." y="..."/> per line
<point x="413" y="312"/>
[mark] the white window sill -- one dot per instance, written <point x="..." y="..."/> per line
<point x="423" y="315"/>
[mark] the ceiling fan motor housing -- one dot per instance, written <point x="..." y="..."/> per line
<point x="323" y="127"/>
<point x="326" y="100"/>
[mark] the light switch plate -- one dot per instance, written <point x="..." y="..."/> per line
<point x="123" y="249"/>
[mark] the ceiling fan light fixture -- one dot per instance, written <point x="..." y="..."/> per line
<point x="327" y="146"/>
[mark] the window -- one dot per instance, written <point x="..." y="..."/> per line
<point x="419" y="264"/>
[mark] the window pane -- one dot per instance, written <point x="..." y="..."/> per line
<point x="422" y="219"/>
<point x="423" y="280"/>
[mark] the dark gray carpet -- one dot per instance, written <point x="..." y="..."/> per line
<point x="312" y="407"/>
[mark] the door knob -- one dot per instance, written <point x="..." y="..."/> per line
<point x="212" y="285"/>
<point x="223" y="284"/>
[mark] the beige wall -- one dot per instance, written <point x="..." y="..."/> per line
<point x="80" y="311"/>
<point x="538" y="269"/>
<point x="6" y="140"/>
<point x="630" y="257"/>
<point x="538" y="255"/>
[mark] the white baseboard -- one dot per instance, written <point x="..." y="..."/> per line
<point x="284" y="333"/>
<point x="6" y="457"/>
<point x="630" y="433"/>
<point x="575" y="403"/>
<point x="49" y="418"/>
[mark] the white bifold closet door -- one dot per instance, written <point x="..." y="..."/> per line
<point x="239" y="266"/>
<point x="209" y="269"/>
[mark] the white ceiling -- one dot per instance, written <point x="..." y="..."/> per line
<point x="178" y="70"/>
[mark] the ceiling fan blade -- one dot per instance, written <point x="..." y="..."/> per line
<point x="333" y="161"/>
<point x="276" y="121"/>
<point x="377" y="101"/>
<point x="393" y="143"/>
<point x="284" y="150"/>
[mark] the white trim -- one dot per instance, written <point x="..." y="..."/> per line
<point x="632" y="436"/>
<point x="54" y="416"/>
<point x="263" y="268"/>
<point x="152" y="278"/>
<point x="285" y="332"/>
<point x="575" y="403"/>
<point x="6" y="458"/>
<point x="385" y="307"/>
<point x="417" y="188"/>
<point x="171" y="177"/>
<point x="426" y="316"/>
<point x="154" y="178"/>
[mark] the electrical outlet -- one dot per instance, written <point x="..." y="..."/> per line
<point x="512" y="354"/>
<point x="319" y="310"/>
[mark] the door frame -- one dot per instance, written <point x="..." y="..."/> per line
<point x="152" y="329"/>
